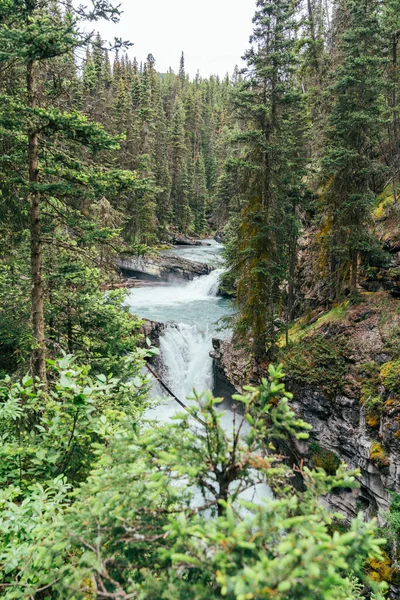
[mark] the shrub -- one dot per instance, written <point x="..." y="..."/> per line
<point x="160" y="515"/>
<point x="317" y="361"/>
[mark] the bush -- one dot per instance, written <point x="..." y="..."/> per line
<point x="317" y="361"/>
<point x="161" y="513"/>
<point x="47" y="434"/>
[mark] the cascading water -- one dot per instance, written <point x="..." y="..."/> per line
<point x="191" y="312"/>
<point x="185" y="348"/>
<point x="185" y="353"/>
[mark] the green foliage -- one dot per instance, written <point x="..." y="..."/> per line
<point x="324" y="459"/>
<point x="390" y="376"/>
<point x="370" y="395"/>
<point x="44" y="436"/>
<point x="94" y="500"/>
<point x="268" y="173"/>
<point x="392" y="518"/>
<point x="350" y="166"/>
<point x="15" y="335"/>
<point x="156" y="518"/>
<point x="96" y="326"/>
<point x="317" y="360"/>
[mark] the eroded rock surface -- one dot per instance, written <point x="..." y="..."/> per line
<point x="162" y="267"/>
<point x="152" y="330"/>
<point x="362" y="431"/>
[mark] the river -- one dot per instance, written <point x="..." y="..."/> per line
<point x="192" y="312"/>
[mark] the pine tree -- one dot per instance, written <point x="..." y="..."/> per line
<point x="33" y="34"/>
<point x="160" y="158"/>
<point x="350" y="161"/>
<point x="270" y="103"/>
<point x="199" y="196"/>
<point x="180" y="185"/>
<point x="391" y="27"/>
<point x="182" y="74"/>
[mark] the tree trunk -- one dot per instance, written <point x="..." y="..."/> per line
<point x="39" y="351"/>
<point x="354" y="271"/>
<point x="395" y="159"/>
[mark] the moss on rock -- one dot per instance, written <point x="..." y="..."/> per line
<point x="317" y="361"/>
<point x="378" y="456"/>
<point x="324" y="459"/>
<point x="390" y="376"/>
<point x="382" y="570"/>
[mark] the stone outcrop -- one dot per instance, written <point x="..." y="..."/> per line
<point x="162" y="267"/>
<point x="181" y="240"/>
<point x="358" y="421"/>
<point x="230" y="363"/>
<point x="220" y="236"/>
<point x="152" y="330"/>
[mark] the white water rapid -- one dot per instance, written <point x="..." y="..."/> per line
<point x="185" y="352"/>
<point x="191" y="312"/>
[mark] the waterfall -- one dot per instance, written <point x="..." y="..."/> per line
<point x="185" y="352"/>
<point x="200" y="289"/>
<point x="185" y="349"/>
<point x="190" y="311"/>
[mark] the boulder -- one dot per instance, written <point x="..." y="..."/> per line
<point x="162" y="267"/>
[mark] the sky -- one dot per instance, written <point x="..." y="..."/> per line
<point x="213" y="34"/>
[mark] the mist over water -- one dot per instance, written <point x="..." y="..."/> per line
<point x="192" y="312"/>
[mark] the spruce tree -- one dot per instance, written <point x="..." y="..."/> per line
<point x="180" y="185"/>
<point x="269" y="102"/>
<point x="34" y="33"/>
<point x="350" y="161"/>
<point x="391" y="28"/>
<point x="182" y="74"/>
<point x="199" y="196"/>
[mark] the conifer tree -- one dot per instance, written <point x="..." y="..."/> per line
<point x="269" y="102"/>
<point x="32" y="34"/>
<point x="182" y="74"/>
<point x="350" y="161"/>
<point x="199" y="196"/>
<point x="179" y="168"/>
<point x="161" y="168"/>
<point x="391" y="27"/>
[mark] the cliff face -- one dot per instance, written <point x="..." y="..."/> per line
<point x="344" y="370"/>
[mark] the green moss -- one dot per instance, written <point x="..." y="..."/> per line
<point x="370" y="396"/>
<point x="378" y="456"/>
<point x="324" y="459"/>
<point x="390" y="376"/>
<point x="317" y="361"/>
<point x="301" y="328"/>
<point x="384" y="201"/>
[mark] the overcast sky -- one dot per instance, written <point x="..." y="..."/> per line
<point x="213" y="34"/>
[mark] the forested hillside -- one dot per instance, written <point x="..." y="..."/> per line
<point x="293" y="162"/>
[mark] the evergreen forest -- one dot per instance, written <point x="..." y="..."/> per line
<point x="292" y="164"/>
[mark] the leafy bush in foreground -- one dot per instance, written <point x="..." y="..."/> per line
<point x="162" y="513"/>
